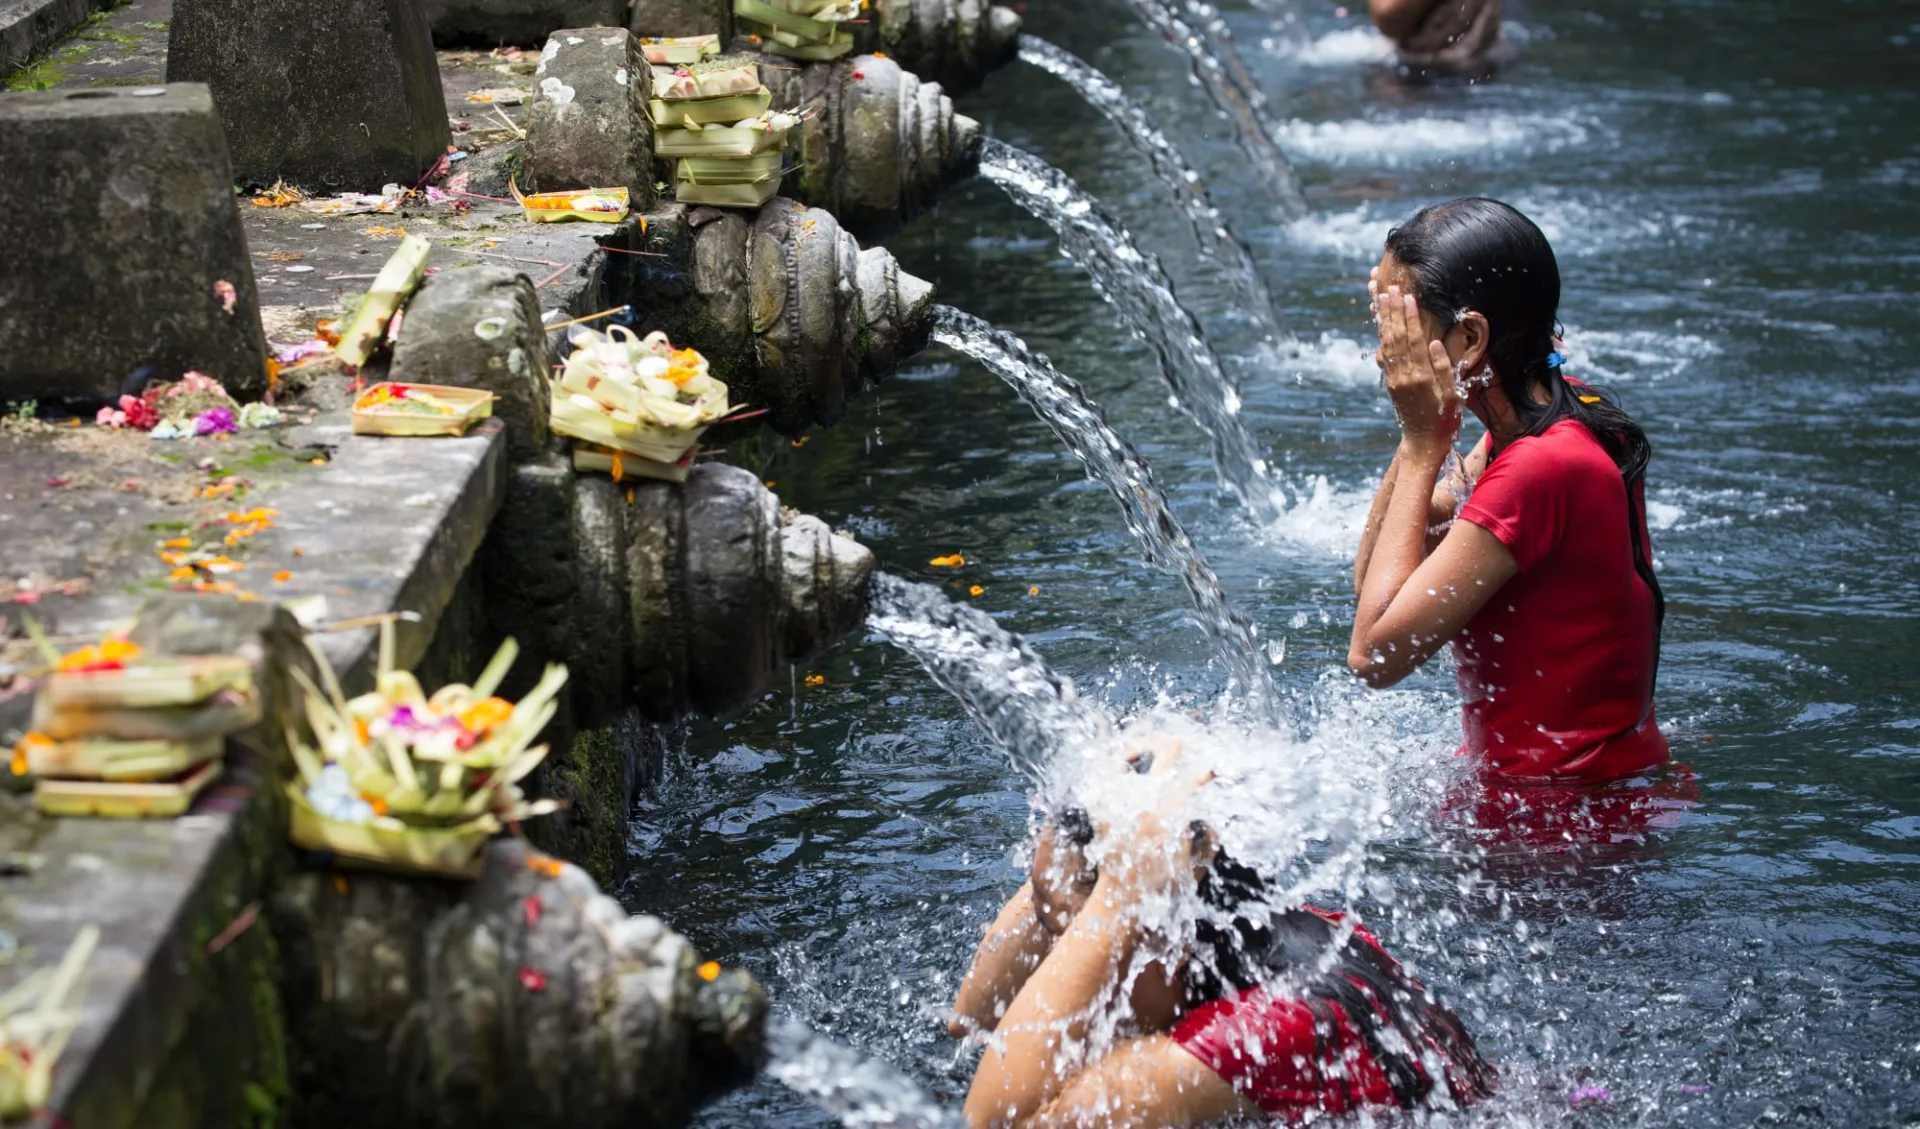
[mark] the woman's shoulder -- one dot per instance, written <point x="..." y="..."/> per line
<point x="1566" y="445"/>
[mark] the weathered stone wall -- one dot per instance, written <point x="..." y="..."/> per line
<point x="341" y="95"/>
<point x="524" y="998"/>
<point x="492" y="23"/>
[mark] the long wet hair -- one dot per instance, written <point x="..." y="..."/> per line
<point x="1288" y="949"/>
<point x="1482" y="255"/>
<point x="1296" y="950"/>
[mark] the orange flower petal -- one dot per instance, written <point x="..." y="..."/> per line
<point x="710" y="971"/>
<point x="951" y="560"/>
<point x="282" y="576"/>
<point x="976" y="590"/>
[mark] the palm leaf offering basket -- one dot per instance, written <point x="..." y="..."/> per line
<point x="122" y="734"/>
<point x="396" y="779"/>
<point x="636" y="396"/>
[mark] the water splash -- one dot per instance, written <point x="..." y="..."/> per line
<point x="1218" y="243"/>
<point x="862" y="1091"/>
<point x="1134" y="283"/>
<point x="1215" y="63"/>
<point x="1008" y="690"/>
<point x="1063" y="405"/>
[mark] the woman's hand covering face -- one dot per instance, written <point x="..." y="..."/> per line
<point x="1419" y="376"/>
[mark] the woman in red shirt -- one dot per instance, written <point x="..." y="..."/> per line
<point x="1544" y="584"/>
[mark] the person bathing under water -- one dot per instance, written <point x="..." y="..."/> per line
<point x="1545" y="584"/>
<point x="1457" y="37"/>
<point x="1258" y="1009"/>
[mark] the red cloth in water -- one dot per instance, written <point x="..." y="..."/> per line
<point x="1263" y="1046"/>
<point x="1557" y="669"/>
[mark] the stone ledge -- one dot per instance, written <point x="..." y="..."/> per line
<point x="385" y="524"/>
<point x="30" y="28"/>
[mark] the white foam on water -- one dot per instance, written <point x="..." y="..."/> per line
<point x="1343" y="48"/>
<point x="1321" y="519"/>
<point x="1331" y="358"/>
<point x="1353" y="232"/>
<point x="1404" y="142"/>
<point x="1632" y="356"/>
<point x="1663" y="515"/>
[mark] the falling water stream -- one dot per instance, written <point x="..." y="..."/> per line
<point x="1218" y="244"/>
<point x="1063" y="405"/>
<point x="1217" y="68"/>
<point x="1134" y="283"/>
<point x="1005" y="687"/>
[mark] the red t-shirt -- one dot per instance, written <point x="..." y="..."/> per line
<point x="1557" y="669"/>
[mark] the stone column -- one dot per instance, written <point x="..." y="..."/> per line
<point x="124" y="250"/>
<point x="588" y="125"/>
<point x="479" y="327"/>
<point x="879" y="144"/>
<point x="331" y="97"/>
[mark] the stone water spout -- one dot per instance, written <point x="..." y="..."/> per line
<point x="953" y="42"/>
<point x="727" y="586"/>
<point x="524" y="998"/>
<point x="794" y="314"/>
<point x="878" y="144"/>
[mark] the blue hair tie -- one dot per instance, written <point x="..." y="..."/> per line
<point x="1555" y="360"/>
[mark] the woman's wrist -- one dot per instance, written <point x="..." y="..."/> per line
<point x="1426" y="455"/>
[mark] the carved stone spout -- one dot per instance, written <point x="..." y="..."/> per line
<point x="525" y="998"/>
<point x="953" y="42"/>
<point x="727" y="587"/>
<point x="792" y="312"/>
<point x="878" y="144"/>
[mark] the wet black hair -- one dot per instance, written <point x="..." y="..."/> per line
<point x="1287" y="950"/>
<point x="1483" y="255"/>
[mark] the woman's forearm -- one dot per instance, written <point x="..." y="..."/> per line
<point x="1044" y="1032"/>
<point x="1015" y="944"/>
<point x="1399" y="547"/>
<point x="1370" y="532"/>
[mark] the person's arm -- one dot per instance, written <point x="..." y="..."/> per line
<point x="1398" y="19"/>
<point x="1370" y="532"/>
<point x="1037" y="1048"/>
<point x="1411" y="604"/>
<point x="1016" y="944"/>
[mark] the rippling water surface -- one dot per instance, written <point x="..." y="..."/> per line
<point x="1732" y="191"/>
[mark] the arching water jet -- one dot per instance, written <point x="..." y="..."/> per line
<point x="1217" y="68"/>
<point x="1218" y="243"/>
<point x="1133" y="282"/>
<point x="1063" y="405"/>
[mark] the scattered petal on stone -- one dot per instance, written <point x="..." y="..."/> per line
<point x="546" y="865"/>
<point x="951" y="560"/>
<point x="282" y="576"/>
<point x="532" y="907"/>
<point x="57" y="480"/>
<point x="533" y="980"/>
